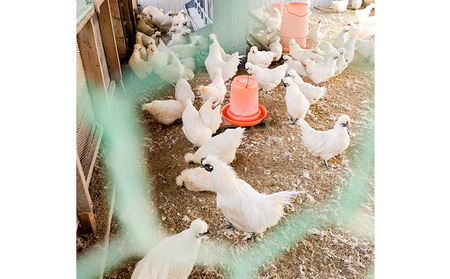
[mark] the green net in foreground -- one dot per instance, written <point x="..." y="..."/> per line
<point x="134" y="213"/>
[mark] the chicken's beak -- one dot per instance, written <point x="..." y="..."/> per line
<point x="285" y="85"/>
<point x="207" y="232"/>
<point x="344" y="124"/>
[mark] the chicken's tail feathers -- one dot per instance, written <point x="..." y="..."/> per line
<point x="285" y="196"/>
<point x="145" y="106"/>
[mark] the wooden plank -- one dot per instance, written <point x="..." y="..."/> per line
<point x="101" y="50"/>
<point x="85" y="20"/>
<point x="84" y="202"/>
<point x="95" y="145"/>
<point x="109" y="41"/>
<point x="97" y="5"/>
<point x="118" y="28"/>
<point x="91" y="57"/>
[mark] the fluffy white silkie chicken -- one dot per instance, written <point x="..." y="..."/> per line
<point x="341" y="38"/>
<point x="363" y="14"/>
<point x="339" y="6"/>
<point x="223" y="145"/>
<point x="311" y="92"/>
<point x="215" y="60"/>
<point x="296" y="103"/>
<point x="315" y="34"/>
<point x="326" y="144"/>
<point x="276" y="48"/>
<point x="356" y="4"/>
<point x="216" y="87"/>
<point x="274" y="22"/>
<point x="246" y="209"/>
<point x="299" y="54"/>
<point x="267" y="78"/>
<point x="195" y="130"/>
<point x="196" y="179"/>
<point x="138" y="65"/>
<point x="183" y="91"/>
<point x="174" y="256"/>
<point x="262" y="58"/>
<point x="325" y="48"/>
<point x="341" y="62"/>
<point x="211" y="117"/>
<point x="320" y="72"/>
<point x="189" y="62"/>
<point x="295" y="65"/>
<point x="165" y="111"/>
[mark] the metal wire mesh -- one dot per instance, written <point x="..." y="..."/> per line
<point x="86" y="124"/>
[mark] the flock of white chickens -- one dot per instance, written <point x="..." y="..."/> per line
<point x="245" y="208"/>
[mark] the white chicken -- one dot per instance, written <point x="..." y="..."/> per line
<point x="180" y="38"/>
<point x="185" y="51"/>
<point x="216" y="87"/>
<point x="311" y="92"/>
<point x="320" y="72"/>
<point x="144" y="28"/>
<point x="194" y="128"/>
<point x="196" y="179"/>
<point x="296" y="103"/>
<point x="211" y="117"/>
<point x="341" y="38"/>
<point x="203" y="41"/>
<point x="174" y="256"/>
<point x="365" y="48"/>
<point x="339" y="6"/>
<point x="274" y="22"/>
<point x="341" y="62"/>
<point x="267" y="78"/>
<point x="359" y="31"/>
<point x="299" y="54"/>
<point x="295" y="65"/>
<point x="183" y="91"/>
<point x="363" y="15"/>
<point x="138" y="65"/>
<point x="165" y="111"/>
<point x="315" y="34"/>
<point x="143" y="51"/>
<point x="215" y="60"/>
<point x="276" y="48"/>
<point x="189" y="62"/>
<point x="145" y="39"/>
<point x="223" y="145"/>
<point x="326" y="144"/>
<point x="262" y="58"/>
<point x="349" y="47"/>
<point x="172" y="72"/>
<point x="247" y="209"/>
<point x="356" y="4"/>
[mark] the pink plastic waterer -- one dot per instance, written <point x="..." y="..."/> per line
<point x="244" y="109"/>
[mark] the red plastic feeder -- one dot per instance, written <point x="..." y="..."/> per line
<point x="244" y="109"/>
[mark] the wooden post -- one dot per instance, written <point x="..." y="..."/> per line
<point x="91" y="54"/>
<point x="109" y="41"/>
<point x="118" y="28"/>
<point x="84" y="202"/>
<point x="127" y="14"/>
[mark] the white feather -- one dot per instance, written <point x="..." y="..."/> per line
<point x="267" y="78"/>
<point x="311" y="92"/>
<point x="196" y="179"/>
<point x="165" y="111"/>
<point x="296" y="103"/>
<point x="194" y="128"/>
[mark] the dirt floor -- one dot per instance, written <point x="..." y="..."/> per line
<point x="271" y="159"/>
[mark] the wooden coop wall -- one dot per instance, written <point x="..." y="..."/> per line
<point x="101" y="43"/>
